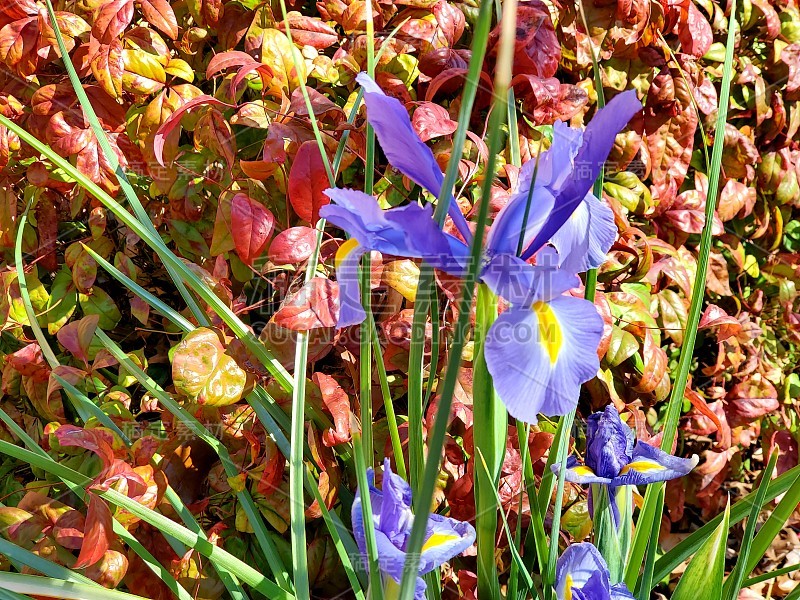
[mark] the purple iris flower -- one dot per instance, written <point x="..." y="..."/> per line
<point x="393" y="519"/>
<point x="543" y="347"/>
<point x="612" y="458"/>
<point x="582" y="574"/>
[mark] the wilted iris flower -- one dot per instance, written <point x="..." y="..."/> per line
<point x="543" y="348"/>
<point x="613" y="460"/>
<point x="582" y="574"/>
<point x="393" y="519"/>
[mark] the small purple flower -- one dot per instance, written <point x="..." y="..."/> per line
<point x="582" y="574"/>
<point x="543" y="347"/>
<point x="613" y="460"/>
<point x="393" y="519"/>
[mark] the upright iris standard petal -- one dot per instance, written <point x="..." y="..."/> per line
<point x="582" y="573"/>
<point x="537" y="187"/>
<point x="540" y="355"/>
<point x="609" y="443"/>
<point x="585" y="238"/>
<point x="402" y="146"/>
<point x="650" y="464"/>
<point x="597" y="141"/>
<point x="393" y="520"/>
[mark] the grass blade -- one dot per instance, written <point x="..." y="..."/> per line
<point x="698" y="292"/>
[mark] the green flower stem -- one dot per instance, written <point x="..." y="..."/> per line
<point x="489" y="437"/>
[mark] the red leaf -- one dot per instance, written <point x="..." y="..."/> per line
<point x="537" y="50"/>
<point x="111" y="19"/>
<point x="160" y="15"/>
<point x="18" y="42"/>
<point x="723" y="430"/>
<point x="307" y="182"/>
<point x="309" y="31"/>
<point x="175" y="119"/>
<point x="95" y="440"/>
<point x="77" y="335"/>
<point x="29" y="362"/>
<point x="315" y="305"/>
<point x="696" y="36"/>
<point x="336" y="401"/>
<point x="226" y="60"/>
<point x="251" y="225"/>
<point x="714" y="316"/>
<point x="432" y="120"/>
<point x="293" y="246"/>
<point x="98" y="535"/>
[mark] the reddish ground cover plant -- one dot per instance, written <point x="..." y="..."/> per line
<point x="204" y="109"/>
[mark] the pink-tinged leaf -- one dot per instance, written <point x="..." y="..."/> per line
<point x="98" y="535"/>
<point x="77" y="336"/>
<point x="29" y="362"/>
<point x="715" y="317"/>
<point x="263" y="70"/>
<point x="537" y="50"/>
<point x="175" y="119"/>
<point x="750" y="400"/>
<point x="251" y="225"/>
<point x="432" y="120"/>
<point x="111" y="19"/>
<point x="308" y="182"/>
<point x="293" y="246"/>
<point x="337" y="403"/>
<point x="315" y="305"/>
<point x="95" y="440"/>
<point x="160" y="15"/>
<point x="228" y="60"/>
<point x="695" y="36"/>
<point x="309" y="31"/>
<point x="785" y="442"/>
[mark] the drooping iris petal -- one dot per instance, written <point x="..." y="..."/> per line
<point x="540" y="355"/>
<point x="396" y="517"/>
<point x="408" y="231"/>
<point x="445" y="539"/>
<point x="402" y="146"/>
<point x="351" y="312"/>
<point x="585" y="238"/>
<point x="597" y="141"/>
<point x="581" y="568"/>
<point x="577" y="473"/>
<point x="649" y="464"/>
<point x="609" y="443"/>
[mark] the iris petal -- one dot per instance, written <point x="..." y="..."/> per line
<point x="585" y="238"/>
<point x="582" y="568"/>
<point x="597" y="141"/>
<point x="402" y="146"/>
<point x="518" y="356"/>
<point x="522" y="284"/>
<point x="609" y="443"/>
<point x="577" y="473"/>
<point x="447" y="538"/>
<point x="351" y="312"/>
<point x="649" y="464"/>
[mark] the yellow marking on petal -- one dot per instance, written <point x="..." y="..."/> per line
<point x="568" y="588"/>
<point x="582" y="470"/>
<point x="642" y="466"/>
<point x="550" y="335"/>
<point x="344" y="251"/>
<point x="438" y="539"/>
